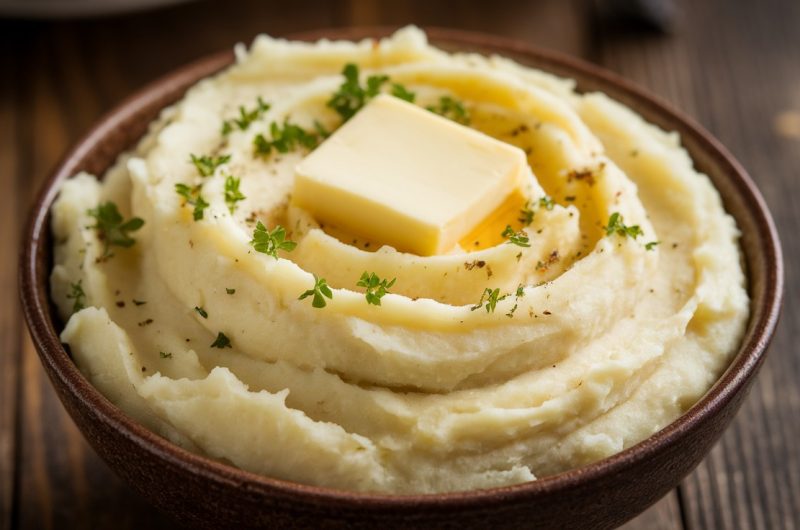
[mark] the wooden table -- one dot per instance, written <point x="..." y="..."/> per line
<point x="733" y="66"/>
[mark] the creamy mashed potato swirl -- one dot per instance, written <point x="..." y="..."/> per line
<point x="597" y="341"/>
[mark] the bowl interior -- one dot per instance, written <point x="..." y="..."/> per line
<point x="121" y="128"/>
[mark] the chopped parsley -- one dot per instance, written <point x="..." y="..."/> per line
<point x="490" y="297"/>
<point x="165" y="355"/>
<point x="112" y="228"/>
<point x="376" y="287"/>
<point x="401" y="92"/>
<point x="546" y="202"/>
<point x="270" y="242"/>
<point x="320" y="291"/>
<point x="351" y="95"/>
<point x="516" y="238"/>
<point x="527" y="213"/>
<point x="221" y="341"/>
<point x="206" y="165"/>
<point x="651" y="245"/>
<point x="201" y="311"/>
<point x="519" y="294"/>
<point x="229" y="290"/>
<point x="616" y="225"/>
<point x="246" y="117"/>
<point x="232" y="193"/>
<point x="191" y="195"/>
<point x="77" y="296"/>
<point x="285" y="138"/>
<point x="138" y="302"/>
<point x="451" y="108"/>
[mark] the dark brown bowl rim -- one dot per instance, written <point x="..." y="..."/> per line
<point x="36" y="304"/>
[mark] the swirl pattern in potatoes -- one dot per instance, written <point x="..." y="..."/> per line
<point x="205" y="302"/>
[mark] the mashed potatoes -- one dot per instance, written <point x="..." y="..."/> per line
<point x="489" y="365"/>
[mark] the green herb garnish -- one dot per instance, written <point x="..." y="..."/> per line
<point x="270" y="243"/>
<point x="490" y="297"/>
<point x="546" y="202"/>
<point x="527" y="213"/>
<point x="451" y="108"/>
<point x="112" y="229"/>
<point x="77" y="296"/>
<point x="229" y="290"/>
<point x="285" y="138"/>
<point x="165" y="355"/>
<point x="519" y="294"/>
<point x="221" y="341"/>
<point x="651" y="245"/>
<point x="320" y="291"/>
<point x="191" y="195"/>
<point x="201" y="311"/>
<point x="232" y="193"/>
<point x="401" y="92"/>
<point x="376" y="287"/>
<point x="206" y="165"/>
<point x="617" y="226"/>
<point x="516" y="238"/>
<point x="246" y="117"/>
<point x="351" y="96"/>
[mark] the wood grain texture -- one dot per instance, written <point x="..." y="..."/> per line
<point x="10" y="216"/>
<point x="739" y="77"/>
<point x="734" y="67"/>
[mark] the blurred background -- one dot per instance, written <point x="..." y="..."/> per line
<point x="733" y="66"/>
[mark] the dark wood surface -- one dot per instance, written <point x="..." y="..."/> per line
<point x="733" y="66"/>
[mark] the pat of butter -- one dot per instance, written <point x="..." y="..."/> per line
<point x="399" y="175"/>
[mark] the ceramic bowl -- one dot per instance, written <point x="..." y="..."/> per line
<point x="206" y="493"/>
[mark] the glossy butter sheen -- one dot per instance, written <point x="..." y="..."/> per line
<point x="403" y="176"/>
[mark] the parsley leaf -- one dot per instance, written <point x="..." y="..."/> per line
<point x="320" y="291"/>
<point x="490" y="297"/>
<point x="221" y="341"/>
<point x="516" y="238"/>
<point x="352" y="96"/>
<point x="192" y="196"/>
<point x="246" y="117"/>
<point x="270" y="243"/>
<point x="651" y="245"/>
<point x="206" y="165"/>
<point x="285" y="138"/>
<point x="451" y="108"/>
<point x="232" y="193"/>
<point x="519" y="294"/>
<point x="617" y="226"/>
<point x="546" y="202"/>
<point x="527" y="213"/>
<point x="376" y="288"/>
<point x="201" y="311"/>
<point x="77" y="296"/>
<point x="165" y="355"/>
<point x="229" y="290"/>
<point x="401" y="92"/>
<point x="112" y="229"/>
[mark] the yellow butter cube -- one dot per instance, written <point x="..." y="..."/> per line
<point x="399" y="175"/>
